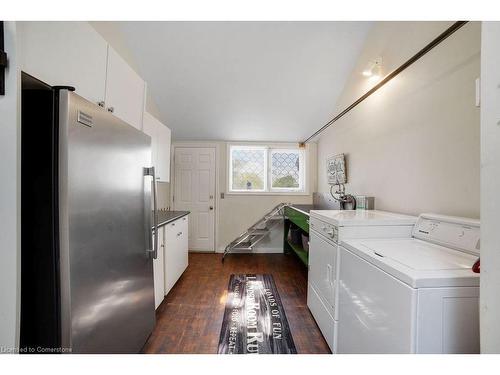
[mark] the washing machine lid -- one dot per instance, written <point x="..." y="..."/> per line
<point x="362" y="217"/>
<point x="417" y="263"/>
<point x="422" y="256"/>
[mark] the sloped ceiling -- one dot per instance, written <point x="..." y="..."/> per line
<point x="253" y="81"/>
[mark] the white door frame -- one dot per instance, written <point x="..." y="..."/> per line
<point x="490" y="203"/>
<point x="217" y="147"/>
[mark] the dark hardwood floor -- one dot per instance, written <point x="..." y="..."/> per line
<point x="190" y="317"/>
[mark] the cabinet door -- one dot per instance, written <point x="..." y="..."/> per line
<point x="176" y="251"/>
<point x="124" y="90"/>
<point x="182" y="248"/>
<point x="160" y="146"/>
<point x="65" y="53"/>
<point x="163" y="152"/>
<point x="171" y="245"/>
<point x="150" y="128"/>
<point x="158" y="269"/>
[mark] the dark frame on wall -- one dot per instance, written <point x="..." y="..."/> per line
<point x="3" y="61"/>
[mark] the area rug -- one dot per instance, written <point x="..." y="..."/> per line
<point x="254" y="319"/>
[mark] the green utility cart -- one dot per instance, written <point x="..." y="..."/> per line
<point x="297" y="219"/>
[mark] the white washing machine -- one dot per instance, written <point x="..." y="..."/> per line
<point x="415" y="295"/>
<point x="327" y="229"/>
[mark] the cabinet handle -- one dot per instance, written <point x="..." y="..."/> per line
<point x="101" y="103"/>
<point x="111" y="109"/>
<point x="178" y="234"/>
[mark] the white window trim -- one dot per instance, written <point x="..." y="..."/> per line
<point x="303" y="157"/>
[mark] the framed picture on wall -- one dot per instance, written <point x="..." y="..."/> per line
<point x="335" y="169"/>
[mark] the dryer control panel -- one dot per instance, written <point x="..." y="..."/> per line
<point x="455" y="232"/>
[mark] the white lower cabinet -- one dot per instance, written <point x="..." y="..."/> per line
<point x="159" y="269"/>
<point x="176" y="251"/>
<point x="172" y="259"/>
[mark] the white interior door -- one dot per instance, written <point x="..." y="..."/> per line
<point x="194" y="191"/>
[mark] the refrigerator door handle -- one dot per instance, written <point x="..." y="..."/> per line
<point x="151" y="172"/>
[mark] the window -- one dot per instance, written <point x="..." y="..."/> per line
<point x="248" y="169"/>
<point x="285" y="170"/>
<point x="254" y="169"/>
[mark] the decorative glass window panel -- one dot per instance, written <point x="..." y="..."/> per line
<point x="286" y="170"/>
<point x="248" y="168"/>
<point x="266" y="169"/>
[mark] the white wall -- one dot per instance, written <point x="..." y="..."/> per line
<point x="235" y="213"/>
<point x="9" y="197"/>
<point x="490" y="187"/>
<point x="414" y="144"/>
<point x="163" y="192"/>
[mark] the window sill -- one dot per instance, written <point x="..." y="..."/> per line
<point x="288" y="193"/>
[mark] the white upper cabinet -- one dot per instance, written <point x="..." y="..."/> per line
<point x="163" y="153"/>
<point x="160" y="146"/>
<point x="74" y="54"/>
<point x="65" y="53"/>
<point x="125" y="90"/>
<point x="149" y="125"/>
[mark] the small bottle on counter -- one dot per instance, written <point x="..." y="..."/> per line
<point x="364" y="203"/>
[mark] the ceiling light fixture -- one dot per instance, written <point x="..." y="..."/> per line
<point x="374" y="68"/>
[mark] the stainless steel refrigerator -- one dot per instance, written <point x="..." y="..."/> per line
<point x="86" y="253"/>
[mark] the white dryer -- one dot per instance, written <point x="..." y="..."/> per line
<point x="327" y="229"/>
<point x="414" y="295"/>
